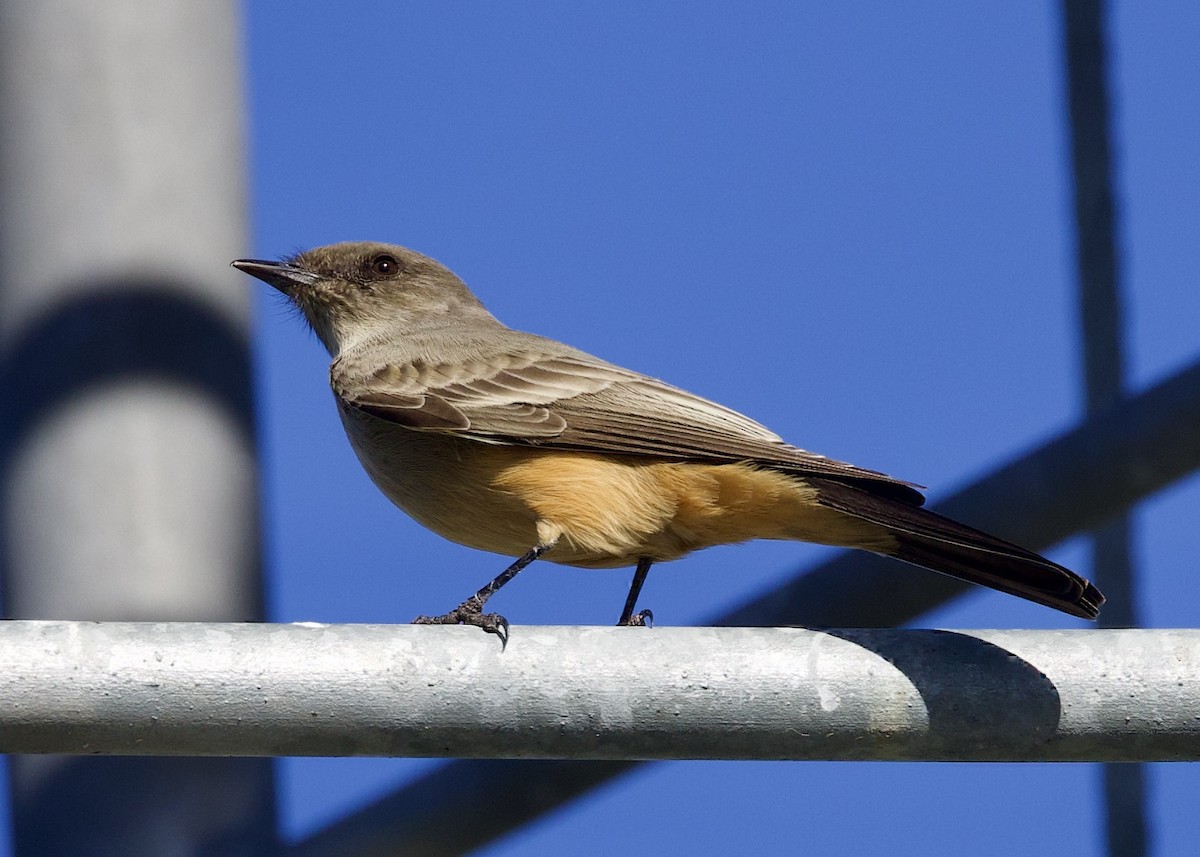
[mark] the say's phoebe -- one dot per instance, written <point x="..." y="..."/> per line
<point x="520" y="445"/>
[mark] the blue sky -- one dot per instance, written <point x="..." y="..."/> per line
<point x="852" y="222"/>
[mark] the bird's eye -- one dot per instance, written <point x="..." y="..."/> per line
<point x="384" y="265"/>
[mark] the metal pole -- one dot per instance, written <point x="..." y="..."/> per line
<point x="1065" y="487"/>
<point x="126" y="447"/>
<point x="599" y="693"/>
<point x="1103" y="355"/>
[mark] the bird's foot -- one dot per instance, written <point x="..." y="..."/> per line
<point x="640" y="619"/>
<point x="470" y="612"/>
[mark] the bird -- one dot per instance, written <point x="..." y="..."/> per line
<point x="520" y="445"/>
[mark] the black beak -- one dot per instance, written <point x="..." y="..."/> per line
<point x="287" y="278"/>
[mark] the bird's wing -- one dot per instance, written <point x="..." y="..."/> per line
<point x="574" y="401"/>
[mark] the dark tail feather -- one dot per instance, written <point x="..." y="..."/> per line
<point x="938" y="543"/>
<point x="1015" y="571"/>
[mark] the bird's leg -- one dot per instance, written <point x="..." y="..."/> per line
<point x="470" y="612"/>
<point x="643" y="617"/>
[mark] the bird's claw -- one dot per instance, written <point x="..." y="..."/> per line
<point x="641" y="619"/>
<point x="469" y="613"/>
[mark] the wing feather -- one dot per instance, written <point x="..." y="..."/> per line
<point x="575" y="401"/>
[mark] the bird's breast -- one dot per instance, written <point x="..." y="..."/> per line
<point x="600" y="510"/>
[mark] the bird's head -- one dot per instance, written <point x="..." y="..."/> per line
<point x="359" y="291"/>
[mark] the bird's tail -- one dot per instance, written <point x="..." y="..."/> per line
<point x="938" y="543"/>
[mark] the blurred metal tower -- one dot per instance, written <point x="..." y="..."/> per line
<point x="1099" y="271"/>
<point x="126" y="437"/>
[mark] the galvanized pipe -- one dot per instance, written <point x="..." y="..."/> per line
<point x="598" y="693"/>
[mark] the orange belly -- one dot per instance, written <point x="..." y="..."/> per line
<point x="599" y="511"/>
